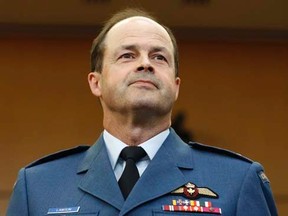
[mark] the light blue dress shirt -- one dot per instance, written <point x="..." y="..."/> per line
<point x="114" y="147"/>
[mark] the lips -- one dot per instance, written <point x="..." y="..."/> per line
<point x="144" y="82"/>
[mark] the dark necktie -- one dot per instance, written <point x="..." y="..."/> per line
<point x="130" y="175"/>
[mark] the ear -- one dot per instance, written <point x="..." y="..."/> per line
<point x="94" y="80"/>
<point x="177" y="85"/>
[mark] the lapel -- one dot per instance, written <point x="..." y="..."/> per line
<point x="163" y="174"/>
<point x="98" y="177"/>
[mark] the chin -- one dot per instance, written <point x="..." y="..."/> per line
<point x="148" y="107"/>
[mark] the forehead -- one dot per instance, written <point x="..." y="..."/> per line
<point x="136" y="30"/>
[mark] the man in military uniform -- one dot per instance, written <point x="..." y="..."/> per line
<point x="135" y="76"/>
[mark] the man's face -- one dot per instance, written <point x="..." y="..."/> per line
<point x="138" y="68"/>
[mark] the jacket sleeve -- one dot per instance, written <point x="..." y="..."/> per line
<point x="256" y="198"/>
<point x="18" y="204"/>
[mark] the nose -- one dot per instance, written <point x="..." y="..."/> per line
<point x="145" y="66"/>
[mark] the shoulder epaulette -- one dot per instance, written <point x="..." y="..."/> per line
<point x="219" y="150"/>
<point x="58" y="155"/>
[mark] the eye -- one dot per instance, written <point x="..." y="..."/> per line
<point x="127" y="56"/>
<point x="160" y="58"/>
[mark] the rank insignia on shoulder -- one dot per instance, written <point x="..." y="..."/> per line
<point x="263" y="177"/>
<point x="191" y="191"/>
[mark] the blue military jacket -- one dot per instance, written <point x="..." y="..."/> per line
<point x="81" y="182"/>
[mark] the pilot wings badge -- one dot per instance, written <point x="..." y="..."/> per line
<point x="191" y="191"/>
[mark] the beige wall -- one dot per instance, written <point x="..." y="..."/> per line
<point x="235" y="95"/>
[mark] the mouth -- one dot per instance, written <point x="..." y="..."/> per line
<point x="144" y="83"/>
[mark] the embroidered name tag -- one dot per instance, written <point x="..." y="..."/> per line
<point x="63" y="210"/>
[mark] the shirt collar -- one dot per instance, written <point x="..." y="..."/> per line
<point x="114" y="145"/>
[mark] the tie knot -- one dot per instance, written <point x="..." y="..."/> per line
<point x="134" y="153"/>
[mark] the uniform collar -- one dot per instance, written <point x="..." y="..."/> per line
<point x="168" y="167"/>
<point x="114" y="145"/>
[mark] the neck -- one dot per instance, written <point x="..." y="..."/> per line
<point x="135" y="129"/>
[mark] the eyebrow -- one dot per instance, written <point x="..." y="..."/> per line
<point x="135" y="47"/>
<point x="160" y="49"/>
